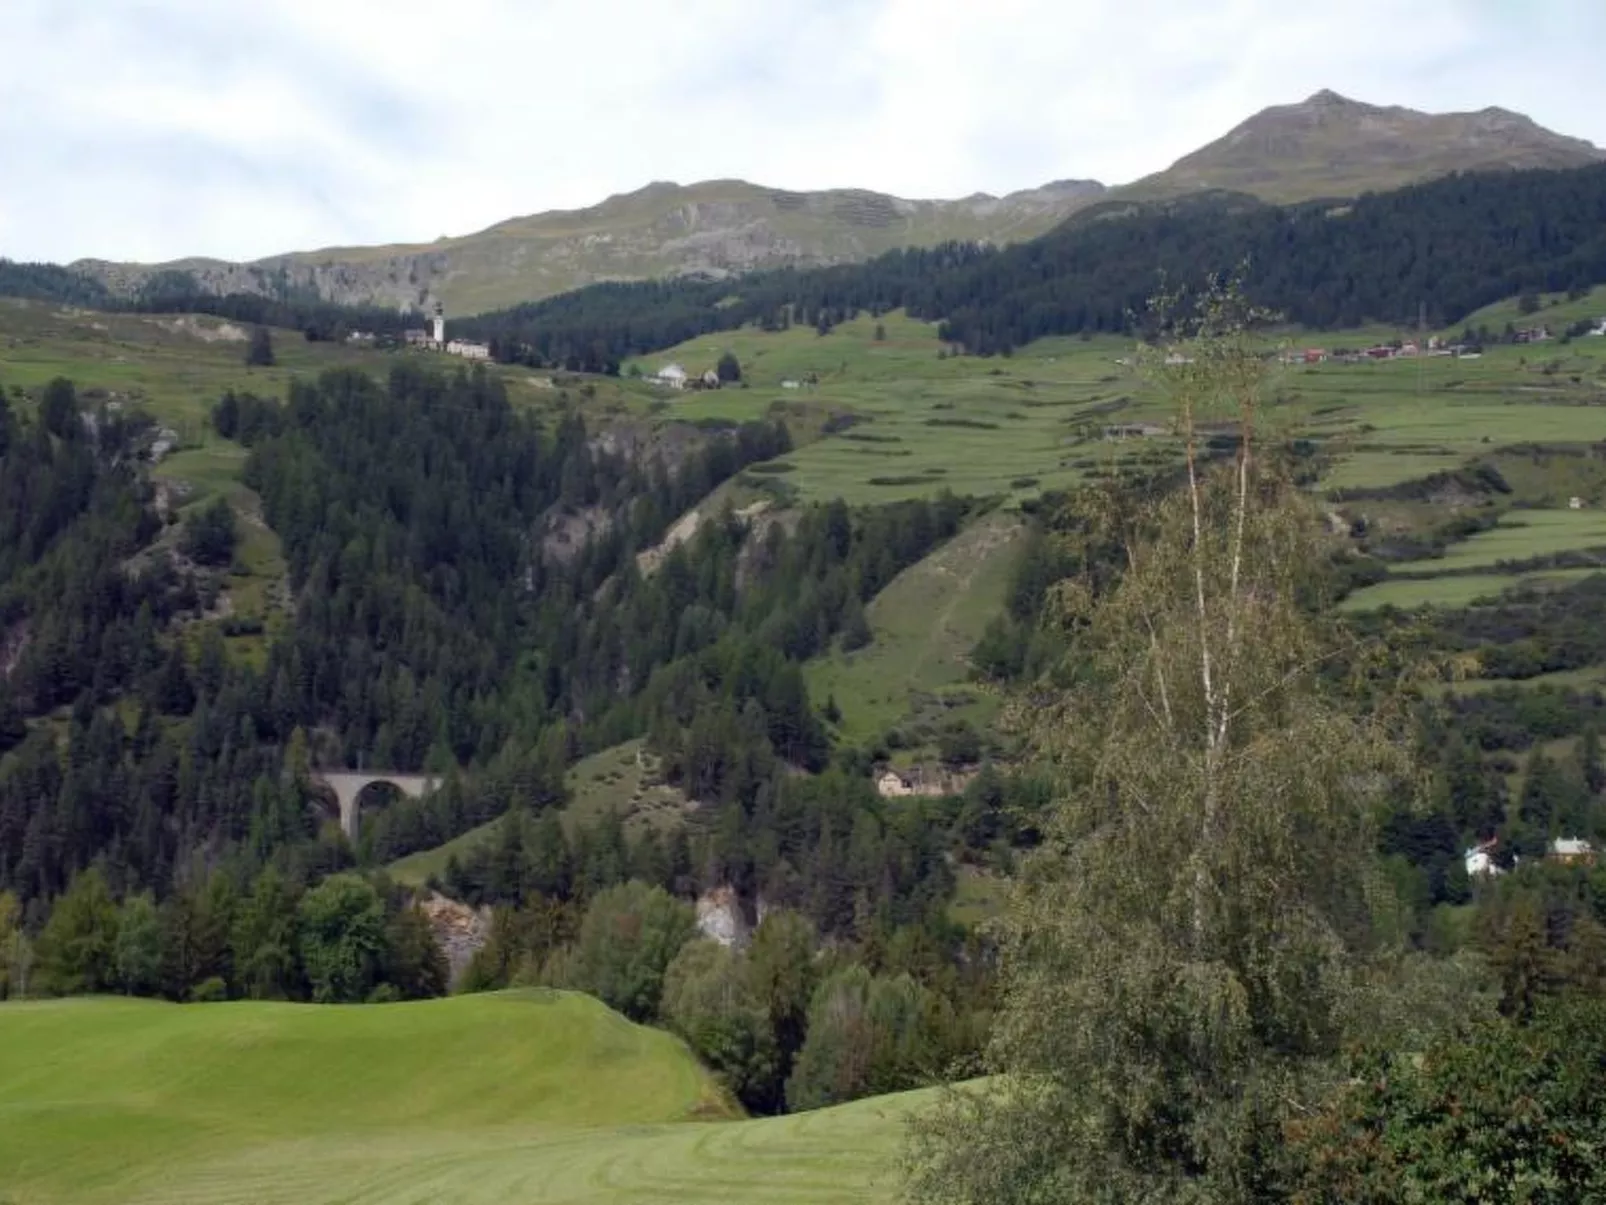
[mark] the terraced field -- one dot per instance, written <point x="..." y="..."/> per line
<point x="1454" y="591"/>
<point x="506" y="1098"/>
<point x="1015" y="426"/>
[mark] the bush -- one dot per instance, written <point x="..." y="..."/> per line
<point x="1505" y="1112"/>
<point x="210" y="990"/>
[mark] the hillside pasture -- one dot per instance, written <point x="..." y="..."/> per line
<point x="1525" y="534"/>
<point x="924" y="624"/>
<point x="622" y="779"/>
<point x="1459" y="590"/>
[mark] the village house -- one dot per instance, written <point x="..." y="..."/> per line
<point x="891" y="783"/>
<point x="469" y="351"/>
<point x="671" y="376"/>
<point x="1572" y="851"/>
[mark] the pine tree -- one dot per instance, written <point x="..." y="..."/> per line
<point x="259" y="352"/>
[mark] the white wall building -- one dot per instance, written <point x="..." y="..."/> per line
<point x="671" y="375"/>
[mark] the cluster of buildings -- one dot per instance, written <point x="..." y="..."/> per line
<point x="1482" y="860"/>
<point x="673" y="376"/>
<point x="1433" y="346"/>
<point x="434" y="339"/>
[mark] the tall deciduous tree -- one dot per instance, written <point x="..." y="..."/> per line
<point x="628" y="938"/>
<point x="77" y="946"/>
<point x="1181" y="956"/>
<point x="342" y="925"/>
<point x="16" y="954"/>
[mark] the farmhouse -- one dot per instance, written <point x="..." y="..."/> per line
<point x="891" y="783"/>
<point x="671" y="376"/>
<point x="1572" y="851"/>
<point x="469" y="351"/>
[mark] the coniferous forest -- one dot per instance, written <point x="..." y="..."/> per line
<point x="155" y="785"/>
<point x="1449" y="245"/>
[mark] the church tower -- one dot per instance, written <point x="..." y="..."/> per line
<point x="440" y="325"/>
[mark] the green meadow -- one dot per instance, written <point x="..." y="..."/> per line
<point x="507" y="1097"/>
<point x="925" y="623"/>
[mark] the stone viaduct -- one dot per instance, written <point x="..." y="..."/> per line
<point x="347" y="785"/>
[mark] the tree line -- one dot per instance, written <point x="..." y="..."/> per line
<point x="1450" y="245"/>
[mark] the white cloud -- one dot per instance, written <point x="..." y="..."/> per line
<point x="157" y="128"/>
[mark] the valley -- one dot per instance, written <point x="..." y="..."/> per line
<point x="834" y="648"/>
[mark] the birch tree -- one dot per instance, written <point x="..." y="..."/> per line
<point x="1181" y="953"/>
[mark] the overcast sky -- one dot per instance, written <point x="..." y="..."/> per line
<point x="151" y="129"/>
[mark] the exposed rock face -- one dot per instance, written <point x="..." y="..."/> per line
<point x="724" y="916"/>
<point x="459" y="930"/>
<point x="715" y="228"/>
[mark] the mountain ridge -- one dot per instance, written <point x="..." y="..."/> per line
<point x="1326" y="146"/>
<point x="712" y="227"/>
<point x="1331" y="145"/>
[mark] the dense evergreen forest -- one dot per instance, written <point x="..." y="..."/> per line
<point x="1450" y="245"/>
<point x="156" y="778"/>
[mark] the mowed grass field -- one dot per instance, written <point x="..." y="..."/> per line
<point x="509" y="1097"/>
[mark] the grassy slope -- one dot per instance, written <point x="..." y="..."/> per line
<point x="925" y="623"/>
<point x="1033" y="421"/>
<point x="136" y="1100"/>
<point x="645" y="233"/>
<point x="614" y="778"/>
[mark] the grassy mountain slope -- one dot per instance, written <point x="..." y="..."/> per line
<point x="1325" y="146"/>
<point x="925" y="623"/>
<point x="717" y="227"/>
<point x="1331" y="146"/>
<point x="511" y="1097"/>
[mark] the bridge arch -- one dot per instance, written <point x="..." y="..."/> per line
<point x="348" y="785"/>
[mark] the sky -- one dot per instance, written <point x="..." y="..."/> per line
<point x="154" y="129"/>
